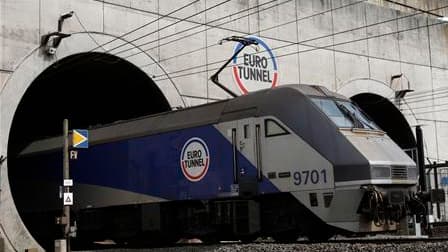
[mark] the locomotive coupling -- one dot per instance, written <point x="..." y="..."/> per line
<point x="382" y="207"/>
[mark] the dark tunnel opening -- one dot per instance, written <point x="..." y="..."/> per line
<point x="89" y="90"/>
<point x="387" y="117"/>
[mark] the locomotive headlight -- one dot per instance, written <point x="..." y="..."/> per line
<point x="380" y="171"/>
<point x="412" y="172"/>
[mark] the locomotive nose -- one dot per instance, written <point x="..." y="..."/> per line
<point x="387" y="161"/>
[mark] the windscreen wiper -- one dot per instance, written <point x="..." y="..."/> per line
<point x="356" y="122"/>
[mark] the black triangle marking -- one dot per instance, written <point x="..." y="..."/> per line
<point x="68" y="199"/>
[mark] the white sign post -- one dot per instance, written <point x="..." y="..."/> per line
<point x="68" y="199"/>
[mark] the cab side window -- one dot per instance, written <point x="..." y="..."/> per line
<point x="273" y="128"/>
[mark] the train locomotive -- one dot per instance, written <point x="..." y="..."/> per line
<point x="289" y="161"/>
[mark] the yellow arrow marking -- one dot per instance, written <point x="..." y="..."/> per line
<point x="78" y="138"/>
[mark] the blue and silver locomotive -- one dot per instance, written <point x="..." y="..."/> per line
<point x="284" y="162"/>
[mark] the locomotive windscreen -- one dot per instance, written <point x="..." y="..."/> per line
<point x="345" y="114"/>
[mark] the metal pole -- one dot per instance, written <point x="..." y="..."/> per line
<point x="420" y="158"/>
<point x="436" y="185"/>
<point x="66" y="173"/>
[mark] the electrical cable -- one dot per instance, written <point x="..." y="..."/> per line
<point x="172" y="24"/>
<point x="327" y="35"/>
<point x="429" y="112"/>
<point x="266" y="29"/>
<point x="422" y="96"/>
<point x="86" y="31"/>
<point x="320" y="13"/>
<point x="428" y="99"/>
<point x="304" y="51"/>
<point x="429" y="106"/>
<point x="426" y="91"/>
<point x="78" y="57"/>
<point x="94" y="57"/>
<point x="208" y="27"/>
<point x="145" y="25"/>
<point x="414" y="8"/>
<point x="158" y="30"/>
<point x="432" y="120"/>
<point x="253" y="33"/>
<point x="323" y="47"/>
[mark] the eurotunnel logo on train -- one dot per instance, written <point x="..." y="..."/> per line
<point x="255" y="69"/>
<point x="195" y="159"/>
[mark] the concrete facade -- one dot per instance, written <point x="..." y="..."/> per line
<point x="348" y="46"/>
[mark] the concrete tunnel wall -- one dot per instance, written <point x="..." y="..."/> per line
<point x="27" y="71"/>
<point x="419" y="52"/>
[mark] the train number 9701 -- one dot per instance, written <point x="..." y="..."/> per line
<point x="307" y="177"/>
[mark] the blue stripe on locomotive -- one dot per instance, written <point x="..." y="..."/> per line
<point x="151" y="165"/>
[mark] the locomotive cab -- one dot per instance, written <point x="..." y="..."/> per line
<point x="388" y="178"/>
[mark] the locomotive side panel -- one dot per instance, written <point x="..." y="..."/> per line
<point x="292" y="163"/>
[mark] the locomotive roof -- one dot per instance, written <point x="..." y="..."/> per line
<point x="258" y="103"/>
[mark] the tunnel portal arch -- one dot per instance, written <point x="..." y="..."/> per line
<point x="373" y="98"/>
<point x="387" y="117"/>
<point x="89" y="88"/>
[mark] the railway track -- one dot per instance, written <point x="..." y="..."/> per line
<point x="335" y="245"/>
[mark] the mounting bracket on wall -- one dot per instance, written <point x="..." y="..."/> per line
<point x="396" y="83"/>
<point x="51" y="41"/>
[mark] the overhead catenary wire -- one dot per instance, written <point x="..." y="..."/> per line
<point x="147" y="24"/>
<point x="157" y="30"/>
<point x="428" y="99"/>
<point x="326" y="36"/>
<point x="349" y="30"/>
<point x="385" y="21"/>
<point x="209" y="26"/>
<point x="432" y="120"/>
<point x="88" y="33"/>
<point x="261" y="30"/>
<point x="122" y="36"/>
<point x="169" y="15"/>
<point x="414" y="8"/>
<point x="308" y="50"/>
<point x="423" y="107"/>
<point x="325" y="12"/>
<point x="420" y="96"/>
<point x="426" y="92"/>
<point x="80" y="59"/>
<point x="428" y="112"/>
<point x="252" y="33"/>
<point x="172" y="24"/>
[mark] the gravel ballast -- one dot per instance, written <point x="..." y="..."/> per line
<point x="419" y="246"/>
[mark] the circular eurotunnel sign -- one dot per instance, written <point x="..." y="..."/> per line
<point x="195" y="159"/>
<point x="255" y="69"/>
